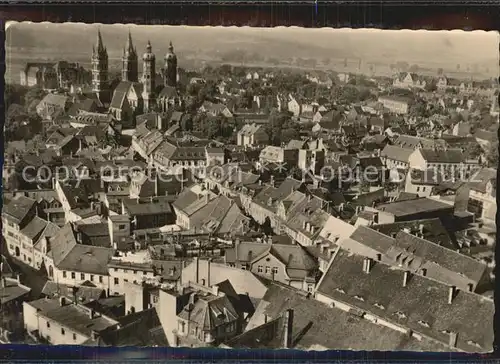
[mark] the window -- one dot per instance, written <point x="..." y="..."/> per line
<point x="310" y="287"/>
<point x="64" y="274"/>
<point x="73" y="275"/>
<point x="116" y="269"/>
<point x="267" y="269"/>
<point x="91" y="278"/>
<point x="121" y="227"/>
<point x="74" y="336"/>
<point x="100" y="279"/>
<point x="275" y="270"/>
<point x="117" y="281"/>
<point x="62" y="331"/>
<point x="125" y="271"/>
<point x="48" y="325"/>
<point x="125" y="280"/>
<point x="259" y="269"/>
<point x="82" y="276"/>
<point x="418" y="189"/>
<point x="144" y="272"/>
<point x="135" y="272"/>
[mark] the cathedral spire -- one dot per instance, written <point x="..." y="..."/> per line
<point x="129" y="47"/>
<point x="171" y="47"/>
<point x="100" y="44"/>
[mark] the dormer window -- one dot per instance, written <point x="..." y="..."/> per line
<point x="378" y="305"/>
<point x="340" y="290"/>
<point x="423" y="323"/>
<point x="400" y="315"/>
<point x="359" y="298"/>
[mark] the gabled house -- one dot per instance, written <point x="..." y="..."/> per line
<point x="357" y="284"/>
<point x="127" y="102"/>
<point x="409" y="80"/>
<point x="285" y="263"/>
<point x="252" y="134"/>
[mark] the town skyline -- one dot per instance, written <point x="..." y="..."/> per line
<point x="466" y="52"/>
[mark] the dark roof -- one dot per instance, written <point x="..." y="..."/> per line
<point x="19" y="208"/>
<point x="11" y="290"/>
<point x="410" y="207"/>
<point x="137" y="329"/>
<point x="432" y="230"/>
<point x="315" y="325"/>
<point x="153" y="206"/>
<point x="75" y="317"/>
<point x="443" y="156"/>
<point x="83" y="293"/>
<point x="421" y="306"/>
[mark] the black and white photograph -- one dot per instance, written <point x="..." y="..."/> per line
<point x="249" y="188"/>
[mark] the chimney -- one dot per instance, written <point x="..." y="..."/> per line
<point x="215" y="290"/>
<point x="424" y="272"/>
<point x="451" y="294"/>
<point x="156" y="182"/>
<point x="197" y="268"/>
<point x="287" y="337"/>
<point x="453" y="339"/>
<point x="406" y="277"/>
<point x="91" y="314"/>
<point x="4" y="282"/>
<point x="470" y="286"/>
<point x="367" y="265"/>
<point x="209" y="261"/>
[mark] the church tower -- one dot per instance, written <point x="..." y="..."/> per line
<point x="99" y="67"/>
<point x="148" y="78"/>
<point x="170" y="76"/>
<point x="130" y="63"/>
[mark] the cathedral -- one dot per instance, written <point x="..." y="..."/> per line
<point x="136" y="95"/>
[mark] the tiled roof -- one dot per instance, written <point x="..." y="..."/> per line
<point x="402" y="208"/>
<point x="11" y="290"/>
<point x="421" y="306"/>
<point x="141" y="329"/>
<point x="468" y="269"/>
<point x="83" y="293"/>
<point x="481" y="179"/>
<point x="433" y="230"/>
<point x="157" y="205"/>
<point x="19" y="208"/>
<point x="34" y="227"/>
<point x="313" y="323"/>
<point x="207" y="310"/>
<point x="75" y="317"/>
<point x="443" y="156"/>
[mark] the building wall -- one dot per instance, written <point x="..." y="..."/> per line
<point x="242" y="281"/>
<point x="265" y="265"/>
<point x="52" y="331"/>
<point x="121" y="278"/>
<point x="73" y="278"/>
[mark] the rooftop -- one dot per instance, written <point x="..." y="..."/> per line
<point x="411" y="207"/>
<point x="422" y="305"/>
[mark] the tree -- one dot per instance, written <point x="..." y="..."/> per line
<point x="34" y="93"/>
<point x="414" y="68"/>
<point x="492" y="156"/>
<point x="431" y="86"/>
<point x="276" y="124"/>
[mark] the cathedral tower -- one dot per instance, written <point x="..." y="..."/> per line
<point x="130" y="63"/>
<point x="148" y="78"/>
<point x="99" y="67"/>
<point x="170" y="76"/>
